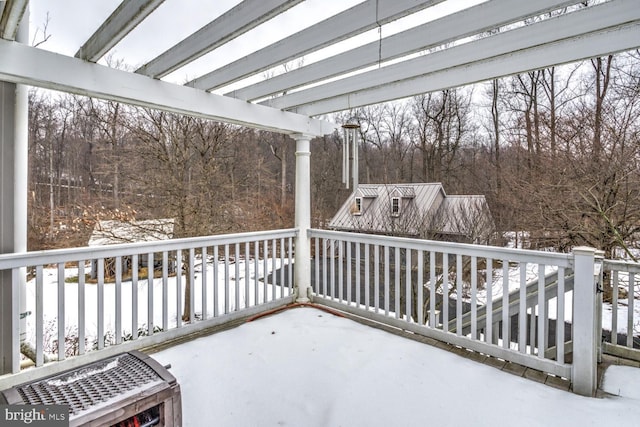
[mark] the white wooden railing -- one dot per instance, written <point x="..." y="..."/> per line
<point x="528" y="307"/>
<point x="624" y="278"/>
<point x="517" y="305"/>
<point x="68" y="314"/>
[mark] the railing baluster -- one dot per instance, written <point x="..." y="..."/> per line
<point x="630" y="309"/>
<point x="560" y="317"/>
<point x="348" y="262"/>
<point x="474" y="298"/>
<point x="150" y="298"/>
<point x="203" y="304"/>
<point x="316" y="265"/>
<point x="226" y="279"/>
<point x="367" y="281"/>
<point x="118" y="292"/>
<point x="357" y="274"/>
<point x="61" y="310"/>
<point x="376" y="277"/>
<point x="290" y="265"/>
<point x="165" y="290"/>
<point x="522" y="312"/>
<point x="282" y="277"/>
<point x="178" y="288"/>
<point x="247" y="264"/>
<point x="100" y="302"/>
<point x="332" y="254"/>
<point x="506" y="319"/>
<point x="420" y="286"/>
<point x="237" y="272"/>
<point x="134" y="298"/>
<point x="459" y="295"/>
<point x="81" y="307"/>
<point x="324" y="267"/>
<point x="386" y="280"/>
<point x="542" y="313"/>
<point x="367" y="278"/>
<point x="274" y="255"/>
<point x="340" y="271"/>
<point x="265" y="268"/>
<point x="256" y="262"/>
<point x="445" y="292"/>
<point x="488" y="325"/>
<point x="408" y="284"/>
<point x="614" y="307"/>
<point x="191" y="283"/>
<point x="396" y="288"/>
<point x="39" y="317"/>
<point x="433" y="321"/>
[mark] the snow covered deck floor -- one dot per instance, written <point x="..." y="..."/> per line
<point x="307" y="367"/>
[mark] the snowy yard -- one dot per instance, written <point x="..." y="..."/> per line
<point x="306" y="367"/>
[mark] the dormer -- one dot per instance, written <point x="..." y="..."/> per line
<point x="363" y="198"/>
<point x="398" y="195"/>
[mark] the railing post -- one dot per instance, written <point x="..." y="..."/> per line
<point x="584" y="369"/>
<point x="13" y="210"/>
<point x="302" y="255"/>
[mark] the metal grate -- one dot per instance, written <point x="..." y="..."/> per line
<point x="90" y="386"/>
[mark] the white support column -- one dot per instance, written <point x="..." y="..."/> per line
<point x="302" y="256"/>
<point x="14" y="148"/>
<point x="584" y="369"/>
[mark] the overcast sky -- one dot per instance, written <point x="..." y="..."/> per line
<point x="72" y="22"/>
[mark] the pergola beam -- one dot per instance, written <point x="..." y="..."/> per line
<point x="48" y="70"/>
<point x="565" y="51"/>
<point x="238" y="20"/>
<point x="468" y="22"/>
<point x="356" y="20"/>
<point x="11" y="12"/>
<point x="561" y="27"/>
<point x="124" y="19"/>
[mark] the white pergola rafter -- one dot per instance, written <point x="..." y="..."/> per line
<point x="358" y="19"/>
<point x="468" y="22"/>
<point x="238" y="20"/>
<point x="124" y="19"/>
<point x="48" y="70"/>
<point x="582" y="22"/>
<point x="578" y="48"/>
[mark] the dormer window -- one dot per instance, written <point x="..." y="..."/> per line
<point x="357" y="206"/>
<point x="395" y="206"/>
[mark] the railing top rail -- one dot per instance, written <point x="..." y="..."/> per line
<point x="15" y="260"/>
<point x="622" y="265"/>
<point x="481" y="251"/>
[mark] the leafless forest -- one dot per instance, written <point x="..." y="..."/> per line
<point x="556" y="152"/>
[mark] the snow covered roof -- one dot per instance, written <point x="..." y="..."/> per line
<point x="109" y="232"/>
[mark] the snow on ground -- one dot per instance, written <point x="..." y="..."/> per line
<point x="306" y="367"/>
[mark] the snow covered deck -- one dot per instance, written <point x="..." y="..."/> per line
<point x="307" y="367"/>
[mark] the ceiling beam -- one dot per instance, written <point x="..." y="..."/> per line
<point x="10" y="17"/>
<point x="124" y="19"/>
<point x="37" y="67"/>
<point x="468" y="22"/>
<point x="591" y="45"/>
<point x="564" y="26"/>
<point x="238" y="20"/>
<point x="358" y="19"/>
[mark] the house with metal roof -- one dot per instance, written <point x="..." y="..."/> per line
<point x="415" y="210"/>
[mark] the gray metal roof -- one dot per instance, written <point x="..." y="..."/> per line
<point x="418" y="200"/>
